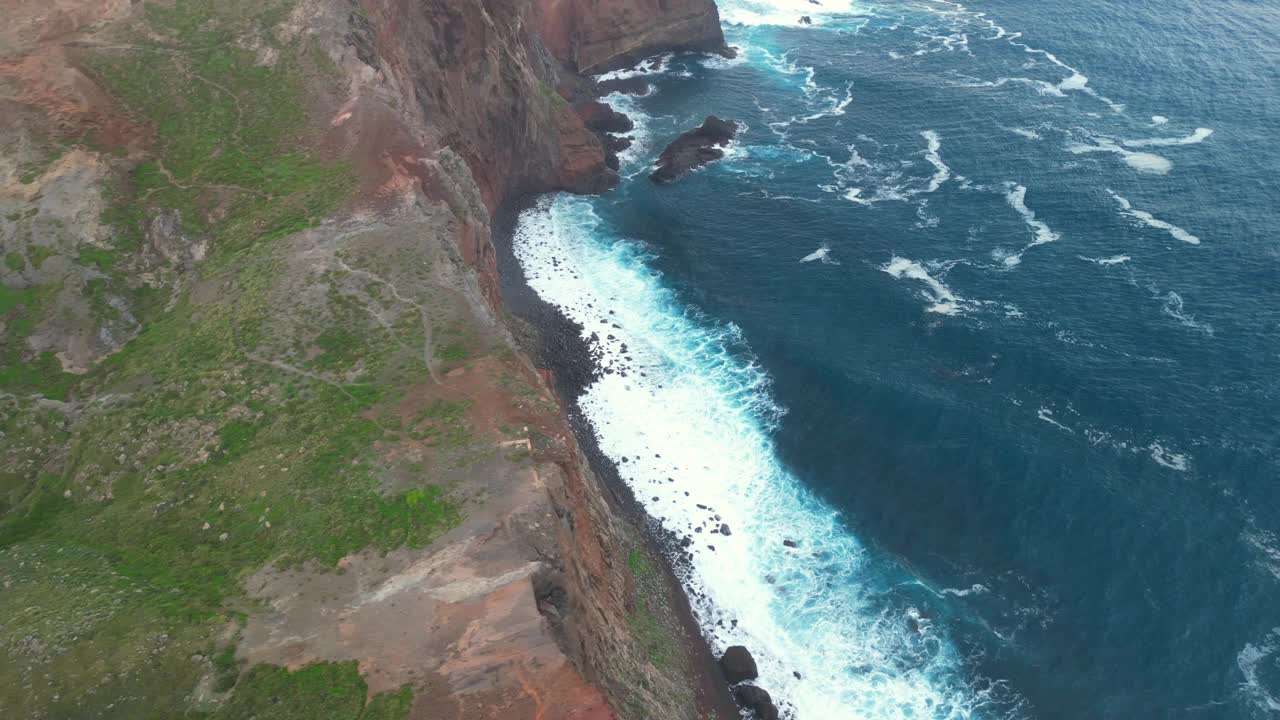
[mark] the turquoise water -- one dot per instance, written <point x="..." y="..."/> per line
<point x="981" y="311"/>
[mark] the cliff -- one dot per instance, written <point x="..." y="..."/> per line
<point x="595" y="35"/>
<point x="268" y="445"/>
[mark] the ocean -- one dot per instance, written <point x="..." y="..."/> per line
<point x="972" y="341"/>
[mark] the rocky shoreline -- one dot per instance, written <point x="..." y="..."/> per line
<point x="520" y="578"/>
<point x="555" y="343"/>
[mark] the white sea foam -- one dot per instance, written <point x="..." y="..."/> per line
<point x="1171" y="460"/>
<point x="823" y="101"/>
<point x="943" y="300"/>
<point x="1042" y="234"/>
<point x="1029" y="134"/>
<point x="687" y="417"/>
<point x="1173" y="307"/>
<point x="941" y="171"/>
<point x="887" y="179"/>
<point x="1113" y="260"/>
<point x="1159" y="120"/>
<point x="632" y="161"/>
<point x="765" y="194"/>
<point x="742" y="55"/>
<point x="656" y="65"/>
<point x="1075" y="81"/>
<point x="830" y="105"/>
<point x="822" y="254"/>
<point x="975" y="589"/>
<point x="785" y="12"/>
<point x="1140" y="161"/>
<point x="925" y="219"/>
<point x="1149" y="220"/>
<point x="1265" y="544"/>
<point x="1194" y="138"/>
<point x="855" y="195"/>
<point x="1046" y="415"/>
<point x="1016" y="197"/>
<point x="1248" y="660"/>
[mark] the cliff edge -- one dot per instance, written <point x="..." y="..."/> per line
<point x="268" y="446"/>
<point x="596" y="35"/>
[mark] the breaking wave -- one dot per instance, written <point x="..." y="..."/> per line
<point x="687" y="415"/>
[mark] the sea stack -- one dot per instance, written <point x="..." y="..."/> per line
<point x="693" y="149"/>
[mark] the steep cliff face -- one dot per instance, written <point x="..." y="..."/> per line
<point x="481" y="83"/>
<point x="278" y="213"/>
<point x="592" y="35"/>
<point x="475" y="86"/>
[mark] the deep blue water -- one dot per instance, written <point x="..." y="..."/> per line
<point x="983" y="309"/>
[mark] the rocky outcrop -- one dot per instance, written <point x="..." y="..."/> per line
<point x="693" y="149"/>
<point x="757" y="700"/>
<point x="593" y="35"/>
<point x="602" y="118"/>
<point x="738" y="665"/>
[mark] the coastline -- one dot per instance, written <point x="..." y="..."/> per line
<point x="555" y="345"/>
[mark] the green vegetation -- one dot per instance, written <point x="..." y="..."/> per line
<point x="11" y="298"/>
<point x="203" y="450"/>
<point x="14" y="261"/>
<point x="339" y="348"/>
<point x="40" y="253"/>
<point x="325" y="690"/>
<point x="443" y="423"/>
<point x="30" y="172"/>
<point x="658" y="641"/>
<point x="98" y="257"/>
<point x="224" y="123"/>
<point x="42" y="375"/>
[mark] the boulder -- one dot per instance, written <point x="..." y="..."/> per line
<point x="750" y="696"/>
<point x="600" y="117"/>
<point x="615" y="144"/>
<point x="756" y="700"/>
<point x="738" y="665"/>
<point x="693" y="149"/>
<point x="628" y="86"/>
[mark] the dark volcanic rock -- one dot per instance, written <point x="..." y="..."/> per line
<point x="738" y="665"/>
<point x="750" y="696"/>
<point x="756" y="700"/>
<point x="626" y="86"/>
<point x="693" y="149"/>
<point x="615" y="144"/>
<point x="791" y="543"/>
<point x="602" y="118"/>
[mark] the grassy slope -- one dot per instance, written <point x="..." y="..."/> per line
<point x="130" y="521"/>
